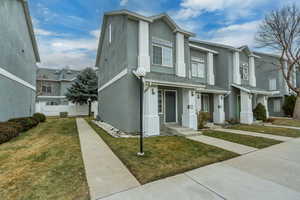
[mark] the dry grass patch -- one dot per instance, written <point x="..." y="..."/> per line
<point x="286" y="122"/>
<point x="268" y="130"/>
<point x="44" y="163"/>
<point x="164" y="156"/>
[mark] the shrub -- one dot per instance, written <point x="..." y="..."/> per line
<point x="270" y="120"/>
<point x="40" y="117"/>
<point x="289" y="105"/>
<point x="203" y="118"/>
<point x="260" y="112"/>
<point x="8" y="130"/>
<point x="63" y="114"/>
<point x="26" y="122"/>
<point x="11" y="124"/>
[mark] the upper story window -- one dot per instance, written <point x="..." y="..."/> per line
<point x="272" y="84"/>
<point x="244" y="71"/>
<point x="109" y="33"/>
<point x="46" y="89"/>
<point x="162" y="53"/>
<point x="198" y="67"/>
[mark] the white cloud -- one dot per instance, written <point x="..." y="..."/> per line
<point x="237" y="34"/>
<point x="123" y="2"/>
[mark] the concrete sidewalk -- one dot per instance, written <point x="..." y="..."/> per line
<point x="264" y="135"/>
<point x="105" y="173"/>
<point x="230" y="146"/>
<point x="282" y="126"/>
<point x="270" y="173"/>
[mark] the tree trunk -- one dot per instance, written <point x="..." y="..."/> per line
<point x="90" y="110"/>
<point x="296" y="114"/>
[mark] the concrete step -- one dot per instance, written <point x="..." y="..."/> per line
<point x="176" y="129"/>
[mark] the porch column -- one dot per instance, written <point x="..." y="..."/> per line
<point x="246" y="108"/>
<point x="236" y="68"/>
<point x="151" y="118"/>
<point x="264" y="101"/>
<point x="252" y="77"/>
<point x="144" y="56"/>
<point x="219" y="114"/>
<point x="180" y="61"/>
<point x="189" y="117"/>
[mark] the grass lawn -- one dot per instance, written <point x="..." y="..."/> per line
<point x="44" y="163"/>
<point x="252" y="141"/>
<point x="268" y="130"/>
<point x="164" y="156"/>
<point x="286" y="122"/>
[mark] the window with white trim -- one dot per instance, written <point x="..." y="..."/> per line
<point x="162" y="52"/>
<point x="205" y="103"/>
<point x="272" y="84"/>
<point x="198" y="67"/>
<point x="109" y="33"/>
<point x="277" y="105"/>
<point x="160" y="101"/>
<point x="244" y="71"/>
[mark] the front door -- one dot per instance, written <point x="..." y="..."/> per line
<point x="170" y="106"/>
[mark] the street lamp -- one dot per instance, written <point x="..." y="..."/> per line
<point x="89" y="102"/>
<point x="140" y="73"/>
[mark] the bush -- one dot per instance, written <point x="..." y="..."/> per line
<point x="289" y="105"/>
<point x="203" y="118"/>
<point x="26" y="122"/>
<point x="63" y="114"/>
<point x="8" y="130"/>
<point x="270" y="120"/>
<point x="40" y="117"/>
<point x="260" y="112"/>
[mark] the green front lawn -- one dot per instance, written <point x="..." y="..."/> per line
<point x="252" y="141"/>
<point x="286" y="122"/>
<point x="164" y="156"/>
<point x="268" y="130"/>
<point x="44" y="163"/>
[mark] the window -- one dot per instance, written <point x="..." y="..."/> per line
<point x="198" y="67"/>
<point x="277" y="105"/>
<point x="244" y="71"/>
<point x="205" y="103"/>
<point x="162" y="52"/>
<point x="109" y="33"/>
<point x="160" y="101"/>
<point x="272" y="84"/>
<point x="46" y="89"/>
<point x="51" y="103"/>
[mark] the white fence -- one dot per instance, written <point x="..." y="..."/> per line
<point x="71" y="109"/>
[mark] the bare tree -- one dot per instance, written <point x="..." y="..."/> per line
<point x="280" y="31"/>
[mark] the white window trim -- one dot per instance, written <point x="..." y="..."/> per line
<point x="162" y="56"/>
<point x="176" y="112"/>
<point x="162" y="101"/>
<point x="245" y="67"/>
<point x="198" y="61"/>
<point x="275" y="107"/>
<point x="271" y="82"/>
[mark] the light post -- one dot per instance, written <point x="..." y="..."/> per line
<point x="89" y="102"/>
<point x="140" y="73"/>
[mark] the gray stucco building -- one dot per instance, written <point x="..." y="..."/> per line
<point x="182" y="76"/>
<point x="18" y="58"/>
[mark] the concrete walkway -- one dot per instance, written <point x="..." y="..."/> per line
<point x="270" y="136"/>
<point x="230" y="146"/>
<point x="281" y="126"/>
<point x="105" y="173"/>
<point x="271" y="173"/>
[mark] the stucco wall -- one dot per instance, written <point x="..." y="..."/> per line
<point x="17" y="57"/>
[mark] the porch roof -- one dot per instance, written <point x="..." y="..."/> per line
<point x="255" y="90"/>
<point x="213" y="89"/>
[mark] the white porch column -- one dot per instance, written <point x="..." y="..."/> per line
<point x="151" y="118"/>
<point x="210" y="69"/>
<point x="264" y="101"/>
<point x="236" y="68"/>
<point x="219" y="114"/>
<point x="180" y="61"/>
<point x="246" y="108"/>
<point x="189" y="117"/>
<point x="252" y="77"/>
<point x="144" y="56"/>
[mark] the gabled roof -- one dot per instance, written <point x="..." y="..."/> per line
<point x="30" y="28"/>
<point x="214" y="44"/>
<point x="255" y="90"/>
<point x="136" y="16"/>
<point x="248" y="51"/>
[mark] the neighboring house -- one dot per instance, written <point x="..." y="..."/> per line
<point x="269" y="76"/>
<point x="18" y="58"/>
<point x="180" y="78"/>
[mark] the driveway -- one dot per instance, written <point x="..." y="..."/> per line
<point x="271" y="173"/>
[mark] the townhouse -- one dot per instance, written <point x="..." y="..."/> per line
<point x="18" y="58"/>
<point x="181" y="76"/>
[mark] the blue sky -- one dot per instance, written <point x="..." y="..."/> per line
<point x="68" y="30"/>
